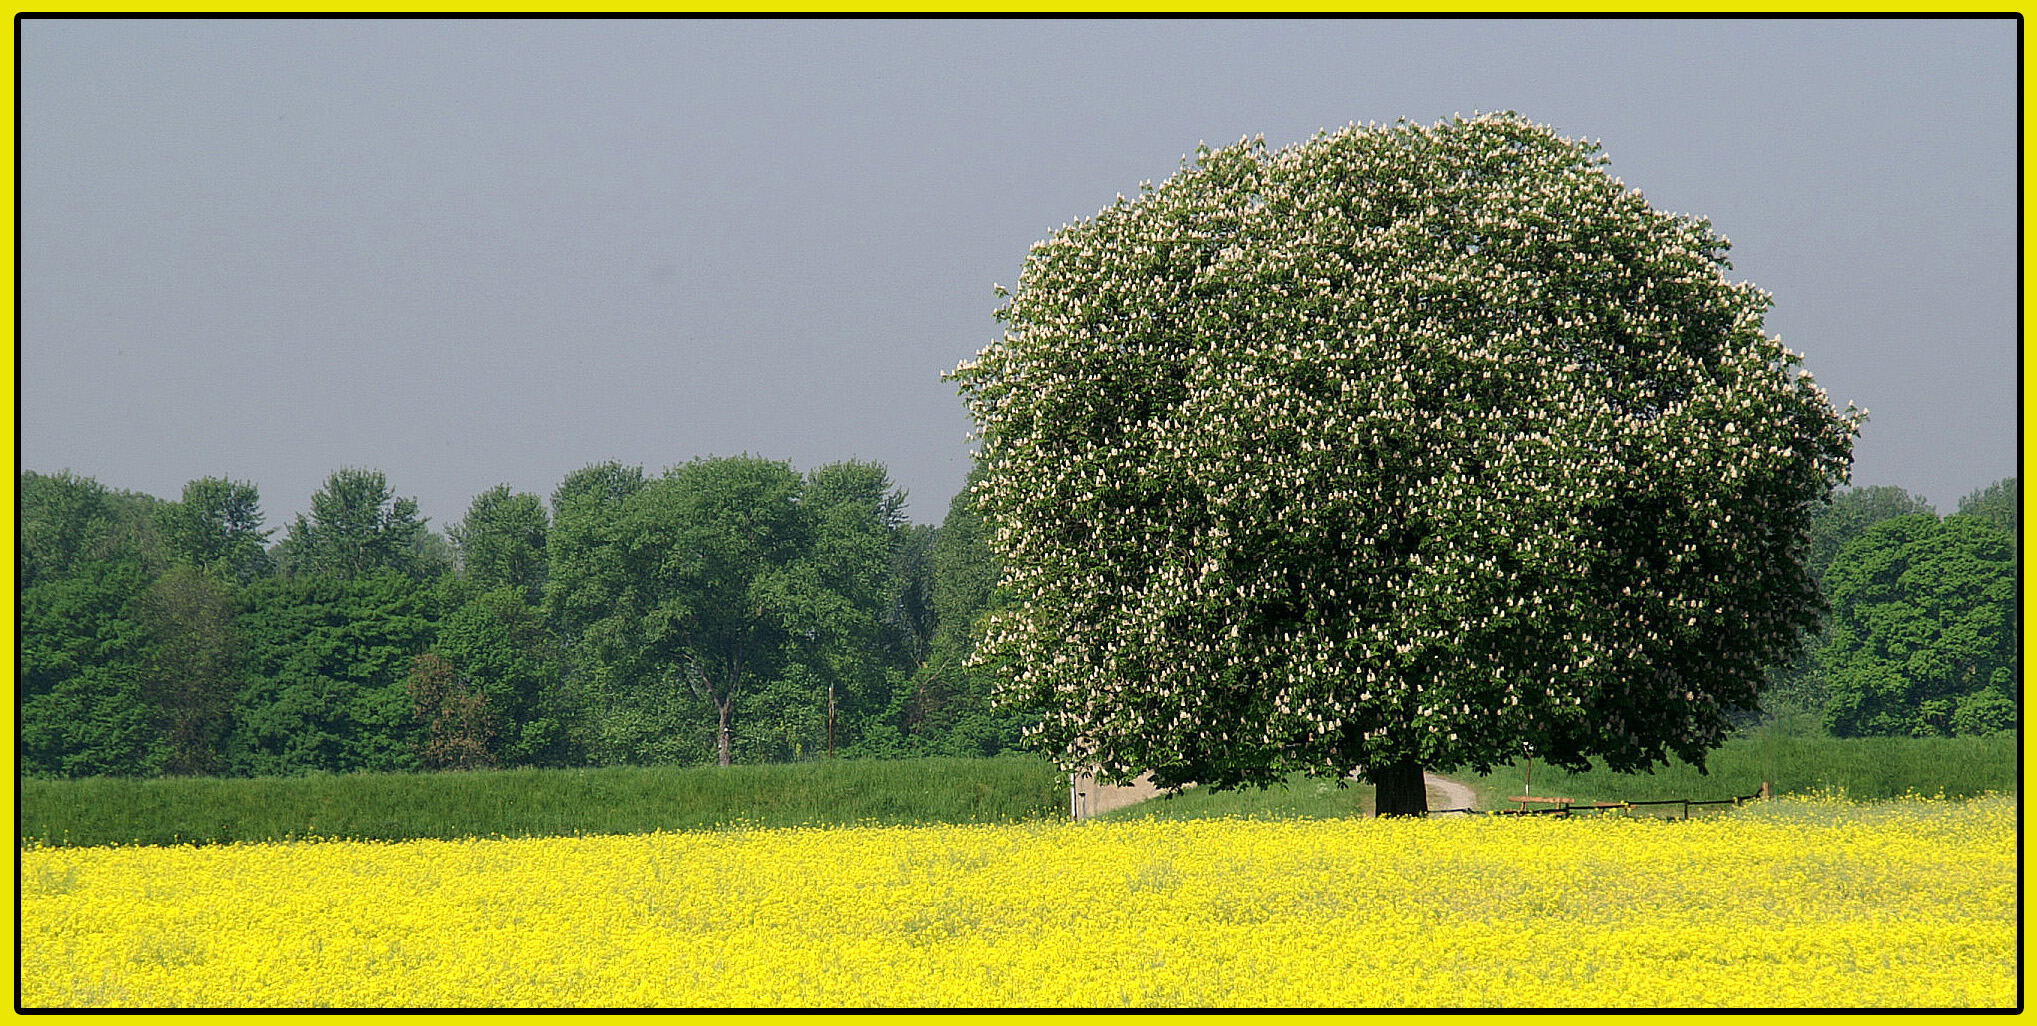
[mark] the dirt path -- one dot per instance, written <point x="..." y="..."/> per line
<point x="1093" y="798"/>
<point x="1448" y="794"/>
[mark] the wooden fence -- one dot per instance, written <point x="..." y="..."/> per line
<point x="1565" y="806"/>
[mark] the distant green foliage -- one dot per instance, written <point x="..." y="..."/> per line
<point x="80" y="679"/>
<point x="327" y="658"/>
<point x="217" y="524"/>
<point x="502" y="643"/>
<point x="1922" y="640"/>
<point x="357" y="527"/>
<point x="947" y="706"/>
<point x="1795" y="686"/>
<point x="631" y="623"/>
<point x="1997" y="505"/>
<point x="501" y="541"/>
<point x="1851" y="512"/>
<point x="195" y="663"/>
<point x="67" y="521"/>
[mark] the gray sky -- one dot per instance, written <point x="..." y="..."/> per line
<point x="475" y="252"/>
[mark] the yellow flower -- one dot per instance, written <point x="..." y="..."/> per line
<point x="1796" y="903"/>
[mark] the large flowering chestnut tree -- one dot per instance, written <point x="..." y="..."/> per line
<point x="1404" y="447"/>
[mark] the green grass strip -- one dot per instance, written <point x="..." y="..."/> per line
<point x="536" y="802"/>
<point x="1863" y="769"/>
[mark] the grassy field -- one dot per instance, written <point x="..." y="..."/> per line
<point x="1864" y="769"/>
<point x="1800" y="903"/>
<point x="627" y="800"/>
<point x="536" y="803"/>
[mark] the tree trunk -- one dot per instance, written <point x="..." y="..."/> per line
<point x="723" y="738"/>
<point x="1400" y="791"/>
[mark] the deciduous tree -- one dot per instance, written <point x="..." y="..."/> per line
<point x="357" y="526"/>
<point x="1851" y="512"/>
<point x="1922" y="639"/>
<point x="501" y="541"/>
<point x="193" y="666"/>
<point x="217" y="523"/>
<point x="1402" y="447"/>
<point x="1997" y="505"/>
<point x="453" y="713"/>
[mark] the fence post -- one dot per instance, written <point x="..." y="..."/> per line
<point x="1764" y="790"/>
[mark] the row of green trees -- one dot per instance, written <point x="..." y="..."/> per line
<point x="727" y="610"/>
<point x="1920" y="638"/>
<point x="721" y="612"/>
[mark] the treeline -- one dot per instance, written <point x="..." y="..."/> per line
<point x="1920" y="639"/>
<point x="728" y="610"/>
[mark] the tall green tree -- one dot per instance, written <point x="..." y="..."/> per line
<point x="677" y="590"/>
<point x="327" y="661"/>
<point x="194" y="664"/>
<point x="62" y="515"/>
<point x="837" y="599"/>
<point x="1997" y="505"/>
<point x="722" y="613"/>
<point x="1795" y="687"/>
<point x="81" y="690"/>
<point x="501" y="541"/>
<point x="357" y="526"/>
<point x="910" y="617"/>
<point x="603" y="485"/>
<point x="217" y="522"/>
<point x="499" y="641"/>
<point x="581" y="566"/>
<point x="1402" y="447"/>
<point x="66" y="520"/>
<point x="87" y="556"/>
<point x="948" y="710"/>
<point x="1922" y="639"/>
<point x="1848" y="516"/>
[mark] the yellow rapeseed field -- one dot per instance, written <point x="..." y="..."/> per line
<point x="1789" y="903"/>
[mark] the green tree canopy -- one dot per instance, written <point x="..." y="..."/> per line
<point x="499" y="640"/>
<point x="948" y="709"/>
<point x="1997" y="505"/>
<point x="1402" y="447"/>
<point x="1851" y="512"/>
<point x="61" y="515"/>
<point x="327" y="660"/>
<point x="66" y="520"/>
<point x="80" y="674"/>
<point x="676" y="587"/>
<point x="1922" y="639"/>
<point x="217" y="523"/>
<point x="357" y="526"/>
<point x="193" y="667"/>
<point x="501" y="541"/>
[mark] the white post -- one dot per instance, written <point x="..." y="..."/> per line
<point x="1073" y="812"/>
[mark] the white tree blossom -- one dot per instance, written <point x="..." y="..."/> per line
<point x="1405" y="445"/>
